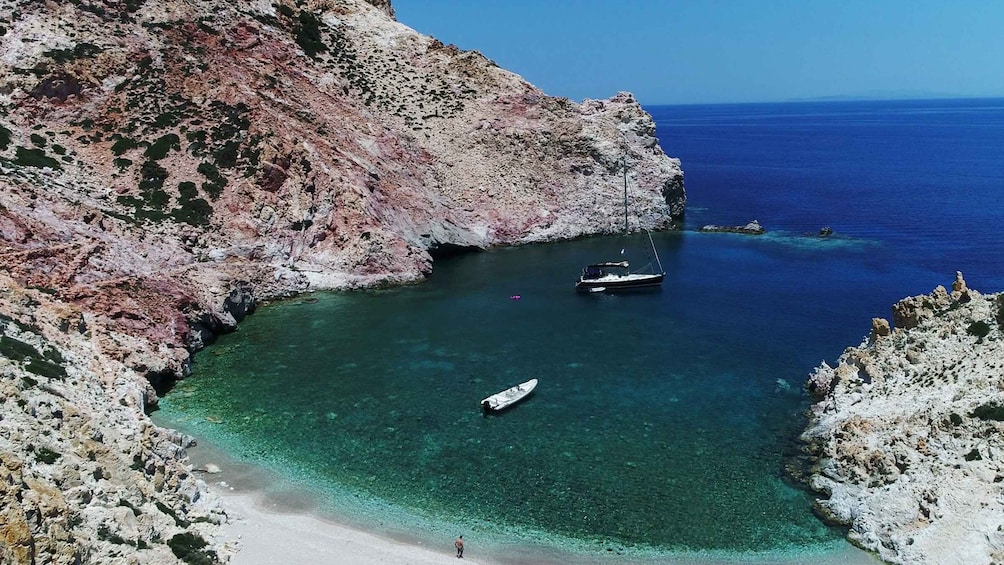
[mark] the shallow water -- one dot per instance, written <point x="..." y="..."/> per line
<point x="663" y="420"/>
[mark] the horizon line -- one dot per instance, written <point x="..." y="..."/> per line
<point x="834" y="99"/>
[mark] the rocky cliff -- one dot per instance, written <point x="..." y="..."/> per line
<point x="906" y="432"/>
<point x="165" y="165"/>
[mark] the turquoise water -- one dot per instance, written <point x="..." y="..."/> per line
<point x="648" y="430"/>
<point x="663" y="420"/>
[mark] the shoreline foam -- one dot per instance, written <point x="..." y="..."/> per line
<point x="270" y="521"/>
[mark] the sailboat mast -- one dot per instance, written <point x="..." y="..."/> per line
<point x="655" y="252"/>
<point x="624" y="166"/>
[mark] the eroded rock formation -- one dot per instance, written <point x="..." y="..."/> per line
<point x="166" y="165"/>
<point x="751" y="228"/>
<point x="906" y="432"/>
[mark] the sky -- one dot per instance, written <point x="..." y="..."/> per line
<point x="720" y="51"/>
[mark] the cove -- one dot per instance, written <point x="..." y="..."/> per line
<point x="662" y="422"/>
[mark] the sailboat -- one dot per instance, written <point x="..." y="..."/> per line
<point x="612" y="276"/>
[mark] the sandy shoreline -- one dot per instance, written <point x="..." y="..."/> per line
<point x="270" y="523"/>
<point x="260" y="533"/>
<point x="264" y="529"/>
<point x="266" y="526"/>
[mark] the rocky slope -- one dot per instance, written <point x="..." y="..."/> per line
<point x="906" y="432"/>
<point x="166" y="165"/>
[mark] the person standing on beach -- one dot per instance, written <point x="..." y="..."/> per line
<point x="460" y="546"/>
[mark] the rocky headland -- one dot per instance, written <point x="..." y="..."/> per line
<point x="165" y="166"/>
<point x="906" y="432"/>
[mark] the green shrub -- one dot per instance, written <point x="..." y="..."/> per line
<point x="46" y="364"/>
<point x="251" y="155"/>
<point x="164" y="120"/>
<point x="47" y="456"/>
<point x="308" y="35"/>
<point x="137" y="463"/>
<point x="164" y="144"/>
<point x="193" y="211"/>
<point x="189" y="548"/>
<point x="228" y="133"/>
<point x="979" y="329"/>
<point x="152" y="177"/>
<point x="46" y="369"/>
<point x="17" y="350"/>
<point x="197" y="142"/>
<point x="34" y="158"/>
<point x="187" y="190"/>
<point x="170" y="512"/>
<point x="123" y="144"/>
<point x="53" y="354"/>
<point x="216" y="181"/>
<point x="80" y="51"/>
<point x="989" y="412"/>
<point x="4" y="138"/>
<point x="152" y="199"/>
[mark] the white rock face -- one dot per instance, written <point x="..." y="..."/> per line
<point x="906" y="432"/>
<point x="84" y="475"/>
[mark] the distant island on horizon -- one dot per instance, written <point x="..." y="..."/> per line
<point x="884" y="95"/>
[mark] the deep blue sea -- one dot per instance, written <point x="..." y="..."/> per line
<point x="663" y="420"/>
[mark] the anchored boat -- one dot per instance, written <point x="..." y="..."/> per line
<point x="611" y="276"/>
<point x="502" y="400"/>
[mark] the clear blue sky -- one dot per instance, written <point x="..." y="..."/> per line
<point x="693" y="51"/>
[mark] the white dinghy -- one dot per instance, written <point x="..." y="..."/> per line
<point x="502" y="400"/>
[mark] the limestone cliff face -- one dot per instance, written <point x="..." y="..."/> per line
<point x="84" y="476"/>
<point x="906" y="432"/>
<point x="165" y="165"/>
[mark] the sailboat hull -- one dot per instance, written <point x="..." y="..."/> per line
<point x="620" y="282"/>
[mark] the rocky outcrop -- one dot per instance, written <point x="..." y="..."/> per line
<point x="84" y="476"/>
<point x="166" y="166"/>
<point x="752" y="228"/>
<point x="906" y="432"/>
